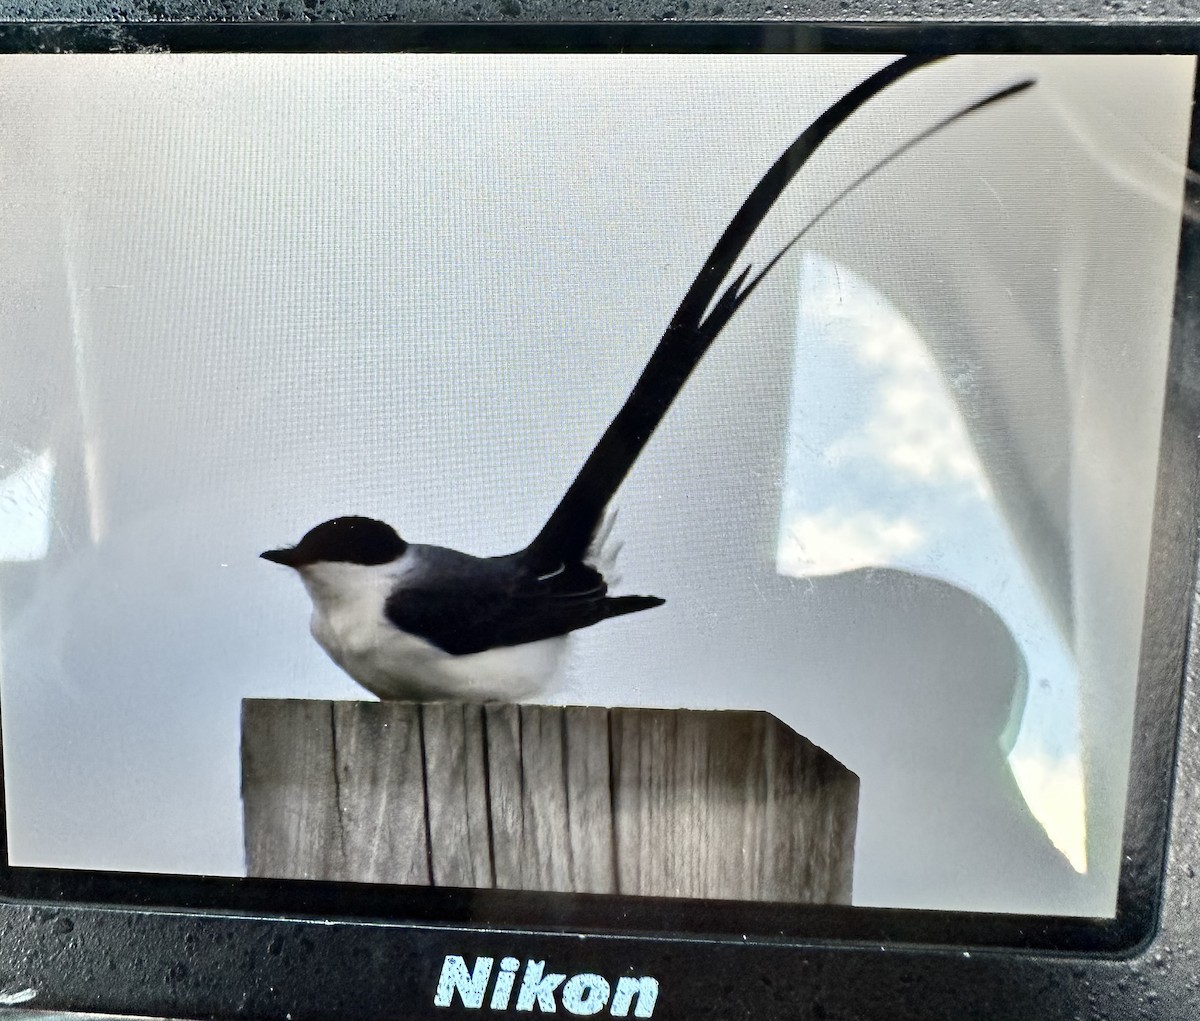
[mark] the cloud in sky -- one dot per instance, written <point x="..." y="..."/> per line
<point x="831" y="543"/>
<point x="25" y="509"/>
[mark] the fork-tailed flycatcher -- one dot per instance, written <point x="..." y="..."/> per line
<point x="410" y="621"/>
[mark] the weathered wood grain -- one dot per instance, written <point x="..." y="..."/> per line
<point x="381" y="801"/>
<point x="506" y="792"/>
<point x="456" y="792"/>
<point x="651" y="802"/>
<point x="288" y="795"/>
<point x="589" y="799"/>
<point x="546" y="853"/>
<point x="334" y="790"/>
<point x="729" y="805"/>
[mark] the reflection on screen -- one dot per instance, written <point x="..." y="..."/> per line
<point x="881" y="472"/>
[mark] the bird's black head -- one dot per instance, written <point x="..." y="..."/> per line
<point x="351" y="540"/>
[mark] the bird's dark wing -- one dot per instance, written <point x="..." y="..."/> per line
<point x="470" y="605"/>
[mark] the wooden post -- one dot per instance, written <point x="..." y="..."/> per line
<point x="652" y="802"/>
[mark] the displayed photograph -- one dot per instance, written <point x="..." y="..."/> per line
<point x="722" y="477"/>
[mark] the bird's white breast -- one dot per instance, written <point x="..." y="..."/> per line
<point x="349" y="624"/>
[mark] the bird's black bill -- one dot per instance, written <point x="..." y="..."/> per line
<point x="287" y="557"/>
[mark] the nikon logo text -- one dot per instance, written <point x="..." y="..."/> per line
<point x="583" y="994"/>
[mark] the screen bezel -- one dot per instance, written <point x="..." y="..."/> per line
<point x="421" y="919"/>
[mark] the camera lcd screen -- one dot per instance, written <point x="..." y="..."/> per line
<point x="898" y="518"/>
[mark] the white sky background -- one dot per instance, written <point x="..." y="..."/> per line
<point x="247" y="294"/>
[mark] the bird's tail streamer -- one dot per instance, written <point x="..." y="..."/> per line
<point x="698" y="320"/>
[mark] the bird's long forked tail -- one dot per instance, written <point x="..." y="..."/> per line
<point x="568" y="532"/>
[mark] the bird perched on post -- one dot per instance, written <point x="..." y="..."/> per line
<point x="412" y="621"/>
